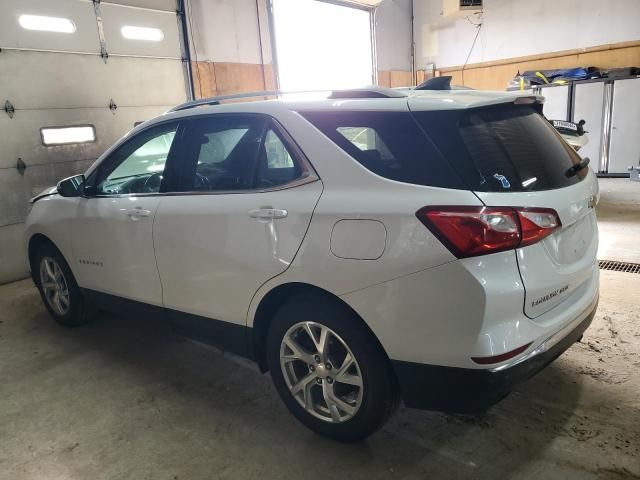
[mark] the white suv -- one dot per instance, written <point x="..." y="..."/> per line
<point x="378" y="244"/>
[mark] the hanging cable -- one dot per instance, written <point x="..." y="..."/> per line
<point x="478" y="28"/>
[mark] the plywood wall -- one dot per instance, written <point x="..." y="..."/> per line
<point x="394" y="78"/>
<point x="224" y="78"/>
<point x="496" y="75"/>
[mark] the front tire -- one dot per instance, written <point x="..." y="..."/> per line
<point x="58" y="288"/>
<point x="329" y="370"/>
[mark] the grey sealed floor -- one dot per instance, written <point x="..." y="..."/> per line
<point x="122" y="398"/>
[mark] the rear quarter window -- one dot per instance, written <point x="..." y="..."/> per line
<point x="389" y="144"/>
<point x="502" y="148"/>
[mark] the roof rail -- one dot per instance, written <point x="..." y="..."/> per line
<point x="368" y="92"/>
<point x="216" y="100"/>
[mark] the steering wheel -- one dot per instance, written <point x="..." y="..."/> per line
<point x="201" y="182"/>
<point x="152" y="183"/>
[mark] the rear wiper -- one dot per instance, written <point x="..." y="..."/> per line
<point x="571" y="171"/>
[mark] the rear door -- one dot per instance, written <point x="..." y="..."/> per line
<point x="247" y="199"/>
<point x="509" y="155"/>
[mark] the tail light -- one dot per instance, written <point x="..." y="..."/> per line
<point x="472" y="231"/>
<point x="502" y="357"/>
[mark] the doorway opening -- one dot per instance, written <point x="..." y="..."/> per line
<point x="322" y="45"/>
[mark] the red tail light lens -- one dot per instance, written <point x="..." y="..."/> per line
<point x="472" y="231"/>
<point x="502" y="357"/>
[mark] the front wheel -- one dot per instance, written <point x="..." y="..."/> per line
<point x="58" y="288"/>
<point x="329" y="370"/>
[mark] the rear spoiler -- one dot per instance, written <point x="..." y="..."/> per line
<point x="535" y="101"/>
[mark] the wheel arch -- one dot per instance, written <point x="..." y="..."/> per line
<point x="36" y="241"/>
<point x="278" y="296"/>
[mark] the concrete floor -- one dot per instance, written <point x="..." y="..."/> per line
<point x="619" y="220"/>
<point x="123" y="398"/>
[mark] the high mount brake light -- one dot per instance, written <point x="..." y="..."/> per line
<point x="472" y="231"/>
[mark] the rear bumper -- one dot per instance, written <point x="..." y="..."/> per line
<point x="465" y="390"/>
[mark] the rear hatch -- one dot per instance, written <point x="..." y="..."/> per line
<point x="510" y="156"/>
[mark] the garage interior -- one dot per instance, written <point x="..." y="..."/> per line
<point x="126" y="398"/>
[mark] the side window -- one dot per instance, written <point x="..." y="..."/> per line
<point x="389" y="144"/>
<point x="276" y="166"/>
<point x="138" y="166"/>
<point x="233" y="152"/>
<point x="222" y="153"/>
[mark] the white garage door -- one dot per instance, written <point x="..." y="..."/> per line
<point x="63" y="63"/>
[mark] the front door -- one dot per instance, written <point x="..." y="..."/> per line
<point x="246" y="204"/>
<point x="113" y="228"/>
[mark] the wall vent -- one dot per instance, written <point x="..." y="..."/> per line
<point x="460" y="8"/>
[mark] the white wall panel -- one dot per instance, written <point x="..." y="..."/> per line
<point x="80" y="12"/>
<point x="516" y="28"/>
<point x="114" y="17"/>
<point x="393" y="35"/>
<point x="226" y="31"/>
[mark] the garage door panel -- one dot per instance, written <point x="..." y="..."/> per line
<point x="23" y="138"/>
<point x="13" y="255"/>
<point x="59" y="79"/>
<point x="166" y="5"/>
<point x="80" y="12"/>
<point x="115" y="17"/>
<point x="43" y="80"/>
<point x="18" y="189"/>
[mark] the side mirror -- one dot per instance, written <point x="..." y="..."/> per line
<point x="71" y="187"/>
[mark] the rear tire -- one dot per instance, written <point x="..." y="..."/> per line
<point x="58" y="288"/>
<point x="344" y="391"/>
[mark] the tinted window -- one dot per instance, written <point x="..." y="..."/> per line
<point x="276" y="165"/>
<point x="236" y="152"/>
<point x="222" y="153"/>
<point x="504" y="148"/>
<point x="389" y="144"/>
<point x="138" y="166"/>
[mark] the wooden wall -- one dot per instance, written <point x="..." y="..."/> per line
<point x="394" y="78"/>
<point x="495" y="75"/>
<point x="224" y="78"/>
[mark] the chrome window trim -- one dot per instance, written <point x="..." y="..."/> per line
<point x="304" y="180"/>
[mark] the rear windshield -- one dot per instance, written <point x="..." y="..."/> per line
<point x="390" y="144"/>
<point x="502" y="148"/>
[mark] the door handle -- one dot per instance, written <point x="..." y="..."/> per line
<point x="268" y="213"/>
<point x="137" y="212"/>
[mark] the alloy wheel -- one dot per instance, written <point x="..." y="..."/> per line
<point x="321" y="372"/>
<point x="54" y="286"/>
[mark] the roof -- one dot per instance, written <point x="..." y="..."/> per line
<point x="395" y="100"/>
